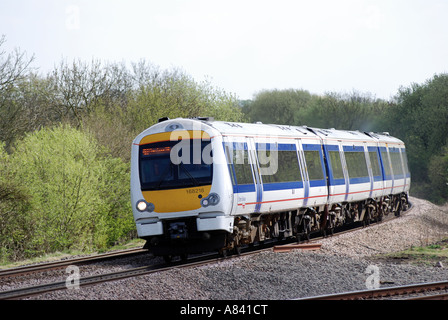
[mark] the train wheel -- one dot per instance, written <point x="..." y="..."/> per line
<point x="238" y="250"/>
<point x="168" y="258"/>
<point x="223" y="253"/>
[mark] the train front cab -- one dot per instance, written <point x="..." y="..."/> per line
<point x="178" y="208"/>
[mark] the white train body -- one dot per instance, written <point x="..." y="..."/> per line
<point x="239" y="183"/>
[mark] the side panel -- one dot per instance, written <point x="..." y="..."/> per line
<point x="359" y="186"/>
<point x="337" y="178"/>
<point x="377" y="183"/>
<point x="406" y="169"/>
<point x="241" y="172"/>
<point x="315" y="177"/>
<point x="281" y="176"/>
<point x="399" y="175"/>
<point x="386" y="169"/>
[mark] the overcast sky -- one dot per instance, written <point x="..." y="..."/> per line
<point x="244" y="46"/>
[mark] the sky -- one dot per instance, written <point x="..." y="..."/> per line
<point x="244" y="46"/>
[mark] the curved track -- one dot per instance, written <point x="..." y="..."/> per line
<point x="278" y="246"/>
<point x="421" y="291"/>
<point x="63" y="263"/>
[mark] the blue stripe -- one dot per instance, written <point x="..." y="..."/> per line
<point x="317" y="183"/>
<point x="353" y="148"/>
<point x="377" y="178"/>
<point x="331" y="147"/>
<point x="259" y="195"/>
<point x="312" y="147"/>
<point x="359" y="180"/>
<point x="282" y="185"/>
<point x="275" y="147"/>
<point x="238" y="145"/>
<point x="244" y="188"/>
<point x="337" y="182"/>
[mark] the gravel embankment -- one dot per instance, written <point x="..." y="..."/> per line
<point x="339" y="266"/>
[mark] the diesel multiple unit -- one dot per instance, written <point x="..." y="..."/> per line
<point x="200" y="185"/>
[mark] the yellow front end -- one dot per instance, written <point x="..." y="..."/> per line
<point x="177" y="200"/>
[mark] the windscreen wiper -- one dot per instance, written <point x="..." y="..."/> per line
<point x="195" y="182"/>
<point x="164" y="175"/>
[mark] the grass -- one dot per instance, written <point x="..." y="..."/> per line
<point x="426" y="255"/>
<point x="67" y="255"/>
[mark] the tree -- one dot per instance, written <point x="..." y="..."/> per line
<point x="438" y="175"/>
<point x="278" y="106"/>
<point x="349" y="111"/>
<point x="78" y="195"/>
<point x="14" y="70"/>
<point x="420" y="118"/>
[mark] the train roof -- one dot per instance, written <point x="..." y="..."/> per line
<point x="299" y="131"/>
<point x="276" y="130"/>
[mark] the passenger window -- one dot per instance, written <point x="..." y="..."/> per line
<point x="373" y="155"/>
<point x="356" y="164"/>
<point x="396" y="163"/>
<point x="314" y="165"/>
<point x="405" y="161"/>
<point x="286" y="170"/>
<point x="243" y="170"/>
<point x="336" y="164"/>
<point x="386" y="162"/>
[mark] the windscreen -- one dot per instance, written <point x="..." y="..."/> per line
<point x="169" y="165"/>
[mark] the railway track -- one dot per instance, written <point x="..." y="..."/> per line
<point x="422" y="291"/>
<point x="64" y="263"/>
<point x="283" y="246"/>
<point x="114" y="276"/>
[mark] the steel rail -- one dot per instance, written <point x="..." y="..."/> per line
<point x="91" y="280"/>
<point x="384" y="292"/>
<point x="63" y="263"/>
<point x="113" y="276"/>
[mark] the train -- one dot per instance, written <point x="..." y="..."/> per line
<point x="200" y="185"/>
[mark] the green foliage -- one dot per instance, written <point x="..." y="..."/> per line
<point x="66" y="186"/>
<point x="278" y="106"/>
<point x="418" y="116"/>
<point x="77" y="195"/>
<point x="15" y="229"/>
<point x="174" y="95"/>
<point x="353" y="111"/>
<point x="438" y="175"/>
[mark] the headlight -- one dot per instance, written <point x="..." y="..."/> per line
<point x="142" y="206"/>
<point x="211" y="200"/>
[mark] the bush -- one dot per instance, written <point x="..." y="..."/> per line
<point x="15" y="229"/>
<point x="78" y="196"/>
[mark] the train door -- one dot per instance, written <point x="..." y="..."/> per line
<point x="303" y="169"/>
<point x="253" y="156"/>
<point x="337" y="177"/>
<point x="377" y="182"/>
<point x="239" y="162"/>
<point x="386" y="170"/>
<point x="369" y="168"/>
